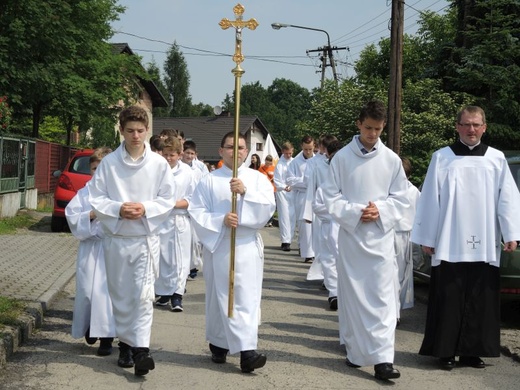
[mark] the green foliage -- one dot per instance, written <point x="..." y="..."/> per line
<point x="10" y="225"/>
<point x="335" y="110"/>
<point x="177" y="81"/>
<point x="281" y="107"/>
<point x="56" y="61"/>
<point x="52" y="130"/>
<point x="155" y="75"/>
<point x="10" y="310"/>
<point x="5" y="115"/>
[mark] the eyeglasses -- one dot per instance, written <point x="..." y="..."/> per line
<point x="230" y="147"/>
<point x="476" y="126"/>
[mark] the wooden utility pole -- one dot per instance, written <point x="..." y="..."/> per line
<point x="396" y="76"/>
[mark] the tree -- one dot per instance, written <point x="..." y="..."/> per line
<point x="155" y="75"/>
<point x="177" y="81"/>
<point x="56" y="60"/>
<point x="486" y="64"/>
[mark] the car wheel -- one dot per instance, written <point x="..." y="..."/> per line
<point x="57" y="224"/>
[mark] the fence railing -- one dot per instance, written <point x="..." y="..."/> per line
<point x="27" y="163"/>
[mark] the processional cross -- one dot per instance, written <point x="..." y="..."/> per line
<point x="238" y="24"/>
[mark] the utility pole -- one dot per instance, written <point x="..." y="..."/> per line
<point x="396" y="76"/>
<point x="327" y="52"/>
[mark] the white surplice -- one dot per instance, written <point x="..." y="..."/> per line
<point x="132" y="246"/>
<point x="284" y="201"/>
<point x="404" y="252"/>
<point x="176" y="238"/>
<point x="329" y="245"/>
<point x="296" y="180"/>
<point x="367" y="267"/>
<point x="92" y="304"/>
<point x="210" y="202"/>
<point x="451" y="207"/>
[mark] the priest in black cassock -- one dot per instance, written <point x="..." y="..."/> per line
<point x="469" y="203"/>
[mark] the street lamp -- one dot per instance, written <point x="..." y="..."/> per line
<point x="327" y="51"/>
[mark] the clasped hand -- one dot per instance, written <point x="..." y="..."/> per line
<point x="370" y="213"/>
<point x="131" y="210"/>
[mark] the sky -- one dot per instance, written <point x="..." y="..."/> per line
<point x="150" y="28"/>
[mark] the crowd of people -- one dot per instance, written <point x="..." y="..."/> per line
<point x="153" y="215"/>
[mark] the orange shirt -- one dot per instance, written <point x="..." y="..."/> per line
<point x="269" y="172"/>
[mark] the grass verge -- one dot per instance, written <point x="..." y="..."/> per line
<point x="20" y="221"/>
<point x="10" y="310"/>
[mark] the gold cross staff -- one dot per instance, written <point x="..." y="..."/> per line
<point x="238" y="57"/>
<point x="238" y="24"/>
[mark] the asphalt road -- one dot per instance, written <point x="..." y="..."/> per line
<point x="298" y="333"/>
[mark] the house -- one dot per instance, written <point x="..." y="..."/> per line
<point x="149" y="95"/>
<point x="207" y="132"/>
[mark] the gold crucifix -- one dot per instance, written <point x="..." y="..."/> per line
<point x="238" y="24"/>
<point x="238" y="57"/>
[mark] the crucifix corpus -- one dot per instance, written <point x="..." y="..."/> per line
<point x="238" y="24"/>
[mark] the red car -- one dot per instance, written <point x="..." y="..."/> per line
<point x="74" y="177"/>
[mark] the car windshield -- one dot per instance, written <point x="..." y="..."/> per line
<point x="80" y="165"/>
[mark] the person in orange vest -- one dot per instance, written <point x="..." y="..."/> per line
<point x="268" y="170"/>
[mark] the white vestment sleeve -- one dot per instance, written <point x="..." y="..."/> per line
<point x="209" y="226"/>
<point x="391" y="209"/>
<point x="342" y="211"/>
<point x="257" y="206"/>
<point x="426" y="223"/>
<point x="77" y="213"/>
<point x="508" y="208"/>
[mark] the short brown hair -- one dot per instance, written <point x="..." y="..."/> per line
<point x="231" y="134"/>
<point x="133" y="114"/>
<point x="471" y="110"/>
<point x="99" y="153"/>
<point x="173" y="143"/>
<point x="287" y="146"/>
<point x="373" y="109"/>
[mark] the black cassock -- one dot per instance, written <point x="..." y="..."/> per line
<point x="463" y="316"/>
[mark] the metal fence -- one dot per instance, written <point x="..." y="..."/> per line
<point x="27" y="163"/>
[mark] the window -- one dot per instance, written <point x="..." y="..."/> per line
<point x="259" y="147"/>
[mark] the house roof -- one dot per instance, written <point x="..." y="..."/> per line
<point x="207" y="132"/>
<point x="158" y="100"/>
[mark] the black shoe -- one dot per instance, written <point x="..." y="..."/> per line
<point x="125" y="356"/>
<point x="308" y="260"/>
<point x="105" y="346"/>
<point x="333" y="303"/>
<point x="350" y="364"/>
<point x="286" y="247"/>
<point x="163" y="300"/>
<point x="193" y="273"/>
<point x="218" y="355"/>
<point x="385" y="371"/>
<point x="398" y="322"/>
<point x="88" y="339"/>
<point x="143" y="361"/>
<point x="177" y="303"/>
<point x="472" y="361"/>
<point x="447" y="363"/>
<point x="249" y="360"/>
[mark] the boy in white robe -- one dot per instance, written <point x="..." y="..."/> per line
<point x="92" y="315"/>
<point x="189" y="157"/>
<point x="210" y="210"/>
<point x="175" y="233"/>
<point x="366" y="194"/>
<point x="132" y="195"/>
<point x="403" y="246"/>
<point x="284" y="198"/>
<point x="316" y="212"/>
<point x="469" y="202"/>
<point x="297" y="183"/>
